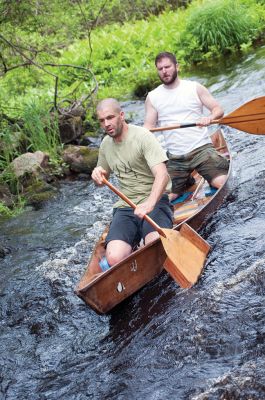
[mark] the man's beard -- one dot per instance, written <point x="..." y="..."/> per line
<point x="174" y="77"/>
<point x="117" y="131"/>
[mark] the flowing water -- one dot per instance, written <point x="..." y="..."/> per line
<point x="164" y="342"/>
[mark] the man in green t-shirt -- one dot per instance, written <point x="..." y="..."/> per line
<point x="135" y="156"/>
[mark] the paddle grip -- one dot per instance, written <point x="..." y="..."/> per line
<point x="131" y="203"/>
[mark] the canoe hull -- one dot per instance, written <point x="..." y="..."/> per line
<point x="102" y="292"/>
<point x="123" y="279"/>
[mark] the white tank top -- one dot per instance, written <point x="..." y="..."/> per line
<point x="181" y="104"/>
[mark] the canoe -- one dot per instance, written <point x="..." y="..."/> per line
<point x="103" y="291"/>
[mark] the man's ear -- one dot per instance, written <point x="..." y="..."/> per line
<point x="122" y="115"/>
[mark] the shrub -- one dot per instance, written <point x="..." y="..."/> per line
<point x="219" y="26"/>
<point x="41" y="130"/>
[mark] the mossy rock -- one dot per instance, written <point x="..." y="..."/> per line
<point x="81" y="159"/>
<point x="38" y="192"/>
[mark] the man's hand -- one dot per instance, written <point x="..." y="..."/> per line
<point x="98" y="174"/>
<point x="142" y="209"/>
<point x="204" y="121"/>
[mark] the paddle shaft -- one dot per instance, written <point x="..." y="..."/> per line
<point x="178" y="126"/>
<point x="128" y="201"/>
<point x="223" y="121"/>
<point x="250" y="118"/>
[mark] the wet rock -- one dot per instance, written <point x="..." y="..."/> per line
<point x="89" y="141"/>
<point x="38" y="192"/>
<point x="70" y="128"/>
<point x="3" y="251"/>
<point x="33" y="175"/>
<point x="30" y="163"/>
<point x="80" y="159"/>
<point x="6" y="197"/>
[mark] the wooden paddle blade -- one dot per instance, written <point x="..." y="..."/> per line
<point x="250" y="117"/>
<point x="186" y="253"/>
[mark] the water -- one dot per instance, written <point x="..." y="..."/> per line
<point x="164" y="342"/>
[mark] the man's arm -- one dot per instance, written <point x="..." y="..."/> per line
<point x="150" y="115"/>
<point x="208" y="101"/>
<point x="160" y="182"/>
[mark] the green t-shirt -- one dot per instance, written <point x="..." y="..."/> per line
<point x="131" y="161"/>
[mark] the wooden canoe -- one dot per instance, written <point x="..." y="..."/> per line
<point x="103" y="291"/>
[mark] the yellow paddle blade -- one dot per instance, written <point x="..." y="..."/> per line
<point x="250" y="117"/>
<point x="186" y="253"/>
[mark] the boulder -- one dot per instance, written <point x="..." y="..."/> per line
<point x="31" y="170"/>
<point x="80" y="159"/>
<point x="3" y="251"/>
<point x="29" y="163"/>
<point x="70" y="128"/>
<point x="38" y="192"/>
<point x="6" y="197"/>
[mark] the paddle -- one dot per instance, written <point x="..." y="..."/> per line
<point x="186" y="250"/>
<point x="250" y="118"/>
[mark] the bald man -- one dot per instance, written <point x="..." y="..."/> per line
<point x="135" y="156"/>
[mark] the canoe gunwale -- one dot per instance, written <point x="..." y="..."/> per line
<point x="93" y="292"/>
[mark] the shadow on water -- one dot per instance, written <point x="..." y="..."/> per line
<point x="163" y="342"/>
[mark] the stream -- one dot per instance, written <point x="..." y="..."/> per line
<point x="204" y="343"/>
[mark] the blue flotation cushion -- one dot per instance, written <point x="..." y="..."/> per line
<point x="182" y="198"/>
<point x="210" y="191"/>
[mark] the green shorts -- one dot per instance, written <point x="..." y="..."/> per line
<point x="205" y="160"/>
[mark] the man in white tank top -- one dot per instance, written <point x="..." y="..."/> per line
<point x="176" y="101"/>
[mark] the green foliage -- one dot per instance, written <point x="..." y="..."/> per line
<point x="123" y="56"/>
<point x="116" y="41"/>
<point x="6" y="212"/>
<point x="9" y="149"/>
<point x="7" y="146"/>
<point x="122" y="53"/>
<point x="8" y="177"/>
<point x="41" y="130"/>
<point x="69" y="20"/>
<point x="215" y="27"/>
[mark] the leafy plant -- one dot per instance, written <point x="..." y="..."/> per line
<point x="41" y="130"/>
<point x="9" y="144"/>
<point x="7" y="212"/>
<point x="121" y="55"/>
<point x="219" y="26"/>
<point x="8" y="178"/>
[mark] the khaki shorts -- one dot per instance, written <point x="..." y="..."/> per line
<point x="207" y="162"/>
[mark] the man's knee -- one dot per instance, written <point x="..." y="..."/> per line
<point x="150" y="237"/>
<point x="218" y="181"/>
<point x="116" y="251"/>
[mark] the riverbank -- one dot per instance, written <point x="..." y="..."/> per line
<point x="40" y="102"/>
